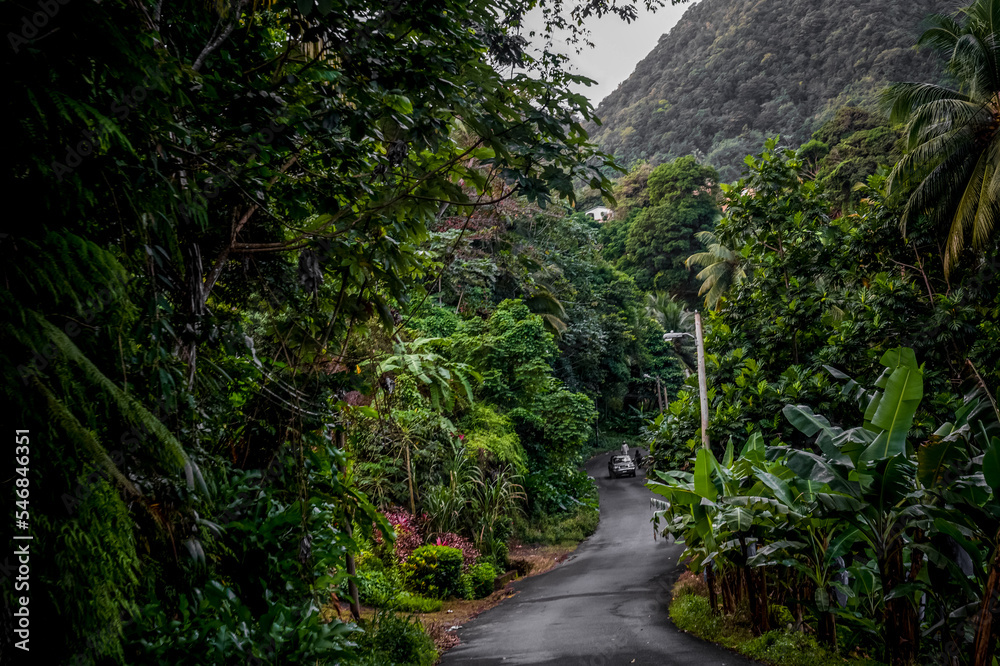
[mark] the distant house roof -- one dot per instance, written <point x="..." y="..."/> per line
<point x="599" y="213"/>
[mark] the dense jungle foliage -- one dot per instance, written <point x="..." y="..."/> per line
<point x="303" y="320"/>
<point x="732" y="73"/>
<point x="292" y="326"/>
<point x="852" y="487"/>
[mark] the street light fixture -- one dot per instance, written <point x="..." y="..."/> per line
<point x="702" y="380"/>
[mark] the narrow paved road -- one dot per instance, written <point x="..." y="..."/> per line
<point x="606" y="605"/>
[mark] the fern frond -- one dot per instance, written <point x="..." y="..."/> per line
<point x="81" y="435"/>
<point x="130" y="408"/>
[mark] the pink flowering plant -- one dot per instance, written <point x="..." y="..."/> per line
<point x="469" y="552"/>
<point x="408" y="529"/>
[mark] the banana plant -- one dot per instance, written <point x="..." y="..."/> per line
<point x="959" y="471"/>
<point x="437" y="374"/>
<point x="690" y="515"/>
<point x="807" y="542"/>
<point x="712" y="513"/>
<point x="869" y="474"/>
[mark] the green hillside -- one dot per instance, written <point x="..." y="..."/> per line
<point x="733" y="71"/>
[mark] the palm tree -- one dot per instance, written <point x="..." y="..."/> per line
<point x="673" y="315"/>
<point x="668" y="312"/>
<point x="722" y="268"/>
<point x="546" y="305"/>
<point x="953" y="136"/>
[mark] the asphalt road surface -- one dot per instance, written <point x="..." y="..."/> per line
<point x="606" y="605"/>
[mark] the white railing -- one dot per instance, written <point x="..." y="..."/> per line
<point x="658" y="505"/>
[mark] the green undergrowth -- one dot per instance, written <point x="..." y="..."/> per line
<point x="389" y="639"/>
<point x="692" y="613"/>
<point x="561" y="529"/>
<point x="407" y="602"/>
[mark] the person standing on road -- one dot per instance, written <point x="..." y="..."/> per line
<point x="624" y="449"/>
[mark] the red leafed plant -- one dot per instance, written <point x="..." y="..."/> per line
<point x="408" y="532"/>
<point x="469" y="552"/>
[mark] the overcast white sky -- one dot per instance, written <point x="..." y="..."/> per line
<point x="619" y="46"/>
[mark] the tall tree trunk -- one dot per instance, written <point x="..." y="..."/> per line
<point x="713" y="599"/>
<point x="802" y="589"/>
<point x="826" y="631"/>
<point x="409" y="479"/>
<point x="986" y="618"/>
<point x="756" y="587"/>
<point x="195" y="311"/>
<point x="757" y="596"/>
<point x="352" y="587"/>
<point x="901" y="625"/>
<point x="729" y="581"/>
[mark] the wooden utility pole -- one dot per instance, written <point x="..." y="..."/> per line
<point x="702" y="380"/>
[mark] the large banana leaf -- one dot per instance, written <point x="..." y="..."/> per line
<point x="673" y="476"/>
<point x="754" y="449"/>
<point x="827" y="442"/>
<point x="759" y="503"/>
<point x="737" y="518"/>
<point x="870" y="411"/>
<point x="894" y="482"/>
<point x="812" y="467"/>
<point x="852" y="443"/>
<point x="778" y="487"/>
<point x="704" y="464"/>
<point x="894" y="414"/>
<point x="675" y="495"/>
<point x="934" y="457"/>
<point x="841" y="545"/>
<point x="839" y="503"/>
<point x="764" y="554"/>
<point x="805" y="420"/>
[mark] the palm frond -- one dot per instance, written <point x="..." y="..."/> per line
<point x="950" y="168"/>
<point x="903" y="99"/>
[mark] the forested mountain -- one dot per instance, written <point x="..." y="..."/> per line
<point x="734" y="71"/>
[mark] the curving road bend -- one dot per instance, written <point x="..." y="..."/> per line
<point x="607" y="604"/>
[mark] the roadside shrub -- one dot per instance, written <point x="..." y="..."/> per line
<point x="560" y="529"/>
<point x="690" y="583"/>
<point x="369" y="561"/>
<point x="558" y="491"/>
<point x="789" y="649"/>
<point x="693" y="613"/>
<point x="495" y="549"/>
<point x="414" y="603"/>
<point x="780" y="616"/>
<point x="391" y="640"/>
<point x="434" y="571"/>
<point x="469" y="552"/>
<point x="375" y="588"/>
<point x="478" y="582"/>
